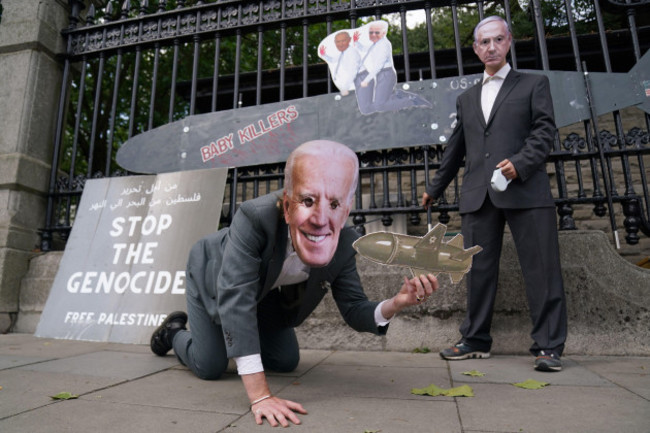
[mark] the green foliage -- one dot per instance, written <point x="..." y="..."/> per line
<point x="523" y="25"/>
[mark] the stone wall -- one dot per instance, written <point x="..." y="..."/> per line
<point x="31" y="79"/>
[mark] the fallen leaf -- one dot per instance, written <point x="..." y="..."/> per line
<point x="461" y="391"/>
<point x="421" y="350"/>
<point x="473" y="373"/>
<point x="64" y="396"/>
<point x="531" y="384"/>
<point x="433" y="390"/>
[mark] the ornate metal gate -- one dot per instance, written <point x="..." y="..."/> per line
<point x="133" y="66"/>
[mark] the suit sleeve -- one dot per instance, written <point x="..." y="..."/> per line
<point x="539" y="142"/>
<point x="238" y="283"/>
<point x="452" y="158"/>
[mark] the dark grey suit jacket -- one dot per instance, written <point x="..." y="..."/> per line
<point x="232" y="270"/>
<point x="521" y="127"/>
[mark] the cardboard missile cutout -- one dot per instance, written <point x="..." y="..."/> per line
<point x="268" y="133"/>
<point x="422" y="255"/>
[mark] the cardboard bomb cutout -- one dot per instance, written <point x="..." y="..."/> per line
<point x="422" y="255"/>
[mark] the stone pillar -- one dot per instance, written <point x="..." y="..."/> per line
<point x="30" y="40"/>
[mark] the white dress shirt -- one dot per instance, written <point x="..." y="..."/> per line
<point x="343" y="67"/>
<point x="377" y="57"/>
<point x="491" y="86"/>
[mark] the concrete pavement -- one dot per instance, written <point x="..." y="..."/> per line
<point x="125" y="388"/>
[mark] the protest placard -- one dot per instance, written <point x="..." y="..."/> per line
<point x="123" y="269"/>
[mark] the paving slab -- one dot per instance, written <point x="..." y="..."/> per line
<point x="73" y="416"/>
<point x="333" y="413"/>
<point x="49" y="348"/>
<point x="12" y="361"/>
<point x="561" y="409"/>
<point x="386" y="359"/>
<point x="127" y="388"/>
<point x="371" y="382"/>
<point x="23" y="390"/>
<point x="511" y="369"/>
<point x="135" y="348"/>
<point x="124" y="365"/>
<point x="180" y="389"/>
<point x="631" y="372"/>
<point x="615" y="364"/>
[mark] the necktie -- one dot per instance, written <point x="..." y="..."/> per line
<point x="338" y="64"/>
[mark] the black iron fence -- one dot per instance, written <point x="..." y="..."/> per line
<point x="132" y="66"/>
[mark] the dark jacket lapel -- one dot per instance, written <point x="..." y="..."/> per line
<point x="475" y="97"/>
<point x="277" y="259"/>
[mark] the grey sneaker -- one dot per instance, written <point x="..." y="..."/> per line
<point x="548" y="361"/>
<point x="462" y="351"/>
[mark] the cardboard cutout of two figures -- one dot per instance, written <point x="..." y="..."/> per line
<point x="361" y="60"/>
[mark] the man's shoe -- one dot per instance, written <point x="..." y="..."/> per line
<point x="548" y="361"/>
<point x="462" y="351"/>
<point x="161" y="339"/>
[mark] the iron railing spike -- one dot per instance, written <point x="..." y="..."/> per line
<point x="126" y="8"/>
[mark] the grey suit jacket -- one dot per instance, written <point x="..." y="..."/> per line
<point x="521" y="127"/>
<point x="232" y="270"/>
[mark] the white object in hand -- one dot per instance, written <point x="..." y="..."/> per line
<point x="499" y="182"/>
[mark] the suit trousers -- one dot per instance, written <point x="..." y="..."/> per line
<point x="203" y="348"/>
<point x="365" y="95"/>
<point x="534" y="233"/>
<point x="377" y="95"/>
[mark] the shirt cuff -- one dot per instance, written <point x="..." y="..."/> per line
<point x="380" y="320"/>
<point x="249" y="364"/>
